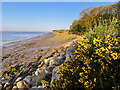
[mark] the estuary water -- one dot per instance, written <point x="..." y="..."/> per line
<point x="7" y="37"/>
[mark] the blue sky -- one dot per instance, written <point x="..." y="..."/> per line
<point x="42" y="16"/>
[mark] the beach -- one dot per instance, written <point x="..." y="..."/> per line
<point x="27" y="53"/>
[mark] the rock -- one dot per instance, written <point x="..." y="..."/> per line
<point x="18" y="79"/>
<point x="72" y="47"/>
<point x="46" y="61"/>
<point x="62" y="53"/>
<point x="36" y="88"/>
<point x="59" y="60"/>
<point x="8" y="88"/>
<point x="34" y="80"/>
<point x="56" y="54"/>
<point x="54" y="73"/>
<point x="22" y="85"/>
<point x="40" y="71"/>
<point x="40" y="87"/>
<point x="15" y="88"/>
<point x="0" y="87"/>
<point x="7" y="84"/>
<point x="49" y="69"/>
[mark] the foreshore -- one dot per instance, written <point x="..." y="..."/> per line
<point x="20" y="57"/>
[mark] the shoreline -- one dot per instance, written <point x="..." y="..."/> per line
<point x="4" y="42"/>
<point x="22" y="54"/>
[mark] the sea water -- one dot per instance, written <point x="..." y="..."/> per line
<point x="7" y="37"/>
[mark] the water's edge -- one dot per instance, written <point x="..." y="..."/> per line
<point x="20" y="39"/>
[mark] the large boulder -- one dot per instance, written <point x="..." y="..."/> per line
<point x="71" y="48"/>
<point x="57" y="61"/>
<point x="41" y="71"/>
<point x="34" y="80"/>
<point x="22" y="85"/>
<point x="7" y="86"/>
<point x="15" y="88"/>
<point x="0" y="87"/>
<point x="49" y="69"/>
<point x="46" y="61"/>
<point x="36" y="88"/>
<point x="62" y="53"/>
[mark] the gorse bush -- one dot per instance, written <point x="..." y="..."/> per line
<point x="104" y="27"/>
<point x="95" y="65"/>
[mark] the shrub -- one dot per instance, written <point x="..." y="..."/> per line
<point x="95" y="66"/>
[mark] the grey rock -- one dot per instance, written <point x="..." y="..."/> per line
<point x="34" y="80"/>
<point x="61" y="58"/>
<point x="0" y="87"/>
<point x="46" y="61"/>
<point x="15" y="88"/>
<point x="40" y="87"/>
<point x="36" y="88"/>
<point x="56" y="54"/>
<point x="57" y="61"/>
<point x="62" y="53"/>
<point x="54" y="73"/>
<point x="22" y="85"/>
<point x="41" y="71"/>
<point x="8" y="88"/>
<point x="71" y="48"/>
<point x="49" y="69"/>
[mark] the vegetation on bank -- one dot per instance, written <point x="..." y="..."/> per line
<point x="92" y="16"/>
<point x="96" y="61"/>
<point x="62" y="36"/>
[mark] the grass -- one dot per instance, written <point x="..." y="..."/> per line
<point x="62" y="37"/>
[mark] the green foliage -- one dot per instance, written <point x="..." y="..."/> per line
<point x="90" y="18"/>
<point x="104" y="28"/>
<point x="60" y="31"/>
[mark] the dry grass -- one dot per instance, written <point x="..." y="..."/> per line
<point x="62" y="37"/>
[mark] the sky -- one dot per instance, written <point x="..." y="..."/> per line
<point x="42" y="16"/>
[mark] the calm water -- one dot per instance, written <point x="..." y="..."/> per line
<point x="16" y="36"/>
